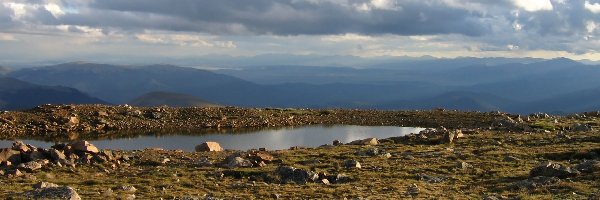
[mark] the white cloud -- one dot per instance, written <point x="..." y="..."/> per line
<point x="182" y="40"/>
<point x="592" y="7"/>
<point x="379" y="5"/>
<point x="347" y="37"/>
<point x="533" y="5"/>
<point x="54" y="9"/>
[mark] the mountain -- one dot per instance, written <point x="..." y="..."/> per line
<point x="4" y="70"/>
<point x="458" y="100"/>
<point x="574" y="102"/>
<point x="119" y="84"/>
<point x="16" y="94"/>
<point x="170" y="99"/>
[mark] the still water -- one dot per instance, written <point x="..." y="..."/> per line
<point x="272" y="139"/>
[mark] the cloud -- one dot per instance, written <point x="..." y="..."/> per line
<point x="534" y="5"/>
<point x="592" y="7"/>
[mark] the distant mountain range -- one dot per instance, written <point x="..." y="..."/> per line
<point x="170" y="99"/>
<point x="484" y="84"/>
<point x="16" y="94"/>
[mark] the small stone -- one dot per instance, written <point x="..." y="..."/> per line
<point x="15" y="173"/>
<point x="209" y="146"/>
<point x="325" y="182"/>
<point x="463" y="166"/>
<point x="235" y="161"/>
<point x="413" y="190"/>
<point x="126" y="188"/>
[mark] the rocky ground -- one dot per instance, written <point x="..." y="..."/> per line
<point x="478" y="156"/>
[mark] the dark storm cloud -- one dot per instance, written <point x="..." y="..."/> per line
<point x="285" y="17"/>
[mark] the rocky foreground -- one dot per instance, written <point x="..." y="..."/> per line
<point x="478" y="156"/>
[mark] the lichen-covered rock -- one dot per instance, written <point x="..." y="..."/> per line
<point x="64" y="192"/>
<point x="368" y="141"/>
<point x="553" y="170"/>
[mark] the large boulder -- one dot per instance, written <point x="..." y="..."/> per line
<point x="209" y="146"/>
<point x="549" y="169"/>
<point x="84" y="146"/>
<point x="299" y="176"/>
<point x="52" y="191"/>
<point x="10" y="155"/>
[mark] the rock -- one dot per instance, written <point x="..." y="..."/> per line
<point x="15" y="173"/>
<point x="261" y="156"/>
<point x="325" y="182"/>
<point x="10" y="155"/>
<point x="209" y="146"/>
<point x="553" y="170"/>
<point x="36" y="155"/>
<point x="368" y="152"/>
<point x="536" y="182"/>
<point x="20" y="146"/>
<point x="448" y="138"/>
<point x="413" y="190"/>
<point x="336" y="143"/>
<point x="126" y="188"/>
<point x="351" y="164"/>
<point x="588" y="166"/>
<point x="510" y="159"/>
<point x="29" y="166"/>
<point x="387" y="155"/>
<point x="65" y="192"/>
<point x="368" y="141"/>
<point x="563" y="135"/>
<point x="342" y="178"/>
<point x="41" y="185"/>
<point x="582" y="127"/>
<point x="463" y="166"/>
<point x="84" y="146"/>
<point x="204" y="162"/>
<point x="299" y="176"/>
<point x="101" y="114"/>
<point x="72" y="121"/>
<point x="236" y="161"/>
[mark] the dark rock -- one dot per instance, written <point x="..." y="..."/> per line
<point x="536" y="182"/>
<point x="511" y="159"/>
<point x="298" y="176"/>
<point x="351" y="164"/>
<point x="588" y="166"/>
<point x="553" y="170"/>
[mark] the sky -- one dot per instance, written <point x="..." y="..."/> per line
<point x="138" y="30"/>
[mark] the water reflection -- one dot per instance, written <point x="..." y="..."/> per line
<point x="309" y="136"/>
